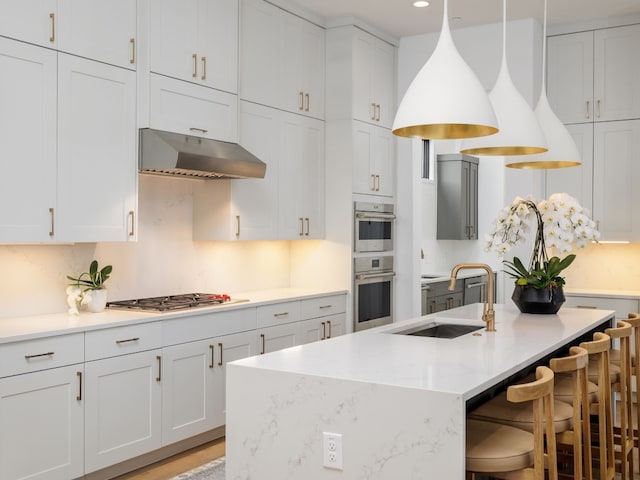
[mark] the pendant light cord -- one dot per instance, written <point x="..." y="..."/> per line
<point x="544" y="48"/>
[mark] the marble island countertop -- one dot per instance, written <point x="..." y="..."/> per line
<point x="465" y="365"/>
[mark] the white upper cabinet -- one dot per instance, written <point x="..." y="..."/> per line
<point x="99" y="30"/>
<point x="182" y="107"/>
<point x="373" y="160"/>
<point x="374" y="79"/>
<point x="104" y="31"/>
<point x="28" y="138"/>
<point x="196" y="41"/>
<point x="282" y="60"/>
<point x="595" y="76"/>
<point x="616" y="199"/>
<point x="97" y="168"/>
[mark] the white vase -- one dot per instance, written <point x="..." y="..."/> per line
<point x="98" y="300"/>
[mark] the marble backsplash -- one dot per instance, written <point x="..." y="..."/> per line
<point x="164" y="260"/>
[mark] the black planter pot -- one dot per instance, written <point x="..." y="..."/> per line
<point x="538" y="300"/>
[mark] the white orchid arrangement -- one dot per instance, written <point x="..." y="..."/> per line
<point x="560" y="223"/>
<point x="79" y="292"/>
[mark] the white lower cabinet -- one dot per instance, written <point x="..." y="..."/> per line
<point x="122" y="408"/>
<point x="42" y="434"/>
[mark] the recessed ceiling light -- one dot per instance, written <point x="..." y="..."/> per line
<point x="420" y="4"/>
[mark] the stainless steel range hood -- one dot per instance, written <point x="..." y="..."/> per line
<point x="167" y="153"/>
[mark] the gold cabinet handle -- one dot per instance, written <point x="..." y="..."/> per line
<point x="373" y="182"/>
<point x="204" y="68"/>
<point x="237" y="225"/>
<point x="262" y="337"/>
<point x="52" y="38"/>
<point x="204" y="131"/>
<point x="329" y="325"/>
<point x="587" y="112"/>
<point x="322" y="307"/>
<point x="307" y="97"/>
<point x="373" y="111"/>
<point x="281" y="314"/>
<point x="324" y="330"/>
<point x="159" y="359"/>
<point x="308" y="226"/>
<point x="212" y="352"/>
<point x="194" y="74"/>
<point x="133" y="222"/>
<point x="47" y="354"/>
<point x="132" y="60"/>
<point x="301" y="226"/>
<point x="52" y="229"/>
<point x="378" y="110"/>
<point x="376" y="183"/>
<point x="301" y="108"/>
<point x="586" y="306"/>
<point x="598" y="108"/>
<point x="79" y="396"/>
<point x="221" y="350"/>
<point x="128" y="340"/>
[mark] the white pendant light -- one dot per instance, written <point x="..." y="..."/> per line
<point x="562" y="148"/>
<point x="520" y="132"/>
<point x="445" y="100"/>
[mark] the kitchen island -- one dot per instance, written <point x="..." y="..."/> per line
<point x="399" y="401"/>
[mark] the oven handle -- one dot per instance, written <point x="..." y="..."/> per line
<point x="365" y="276"/>
<point x="382" y="216"/>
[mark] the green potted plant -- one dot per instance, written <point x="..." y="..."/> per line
<point x="89" y="289"/>
<point x="560" y="222"/>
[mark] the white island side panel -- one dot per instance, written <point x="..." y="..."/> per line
<point x="275" y="422"/>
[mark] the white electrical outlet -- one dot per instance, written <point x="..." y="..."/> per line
<point x="332" y="450"/>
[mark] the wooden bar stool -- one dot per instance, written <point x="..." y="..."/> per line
<point x="623" y="433"/>
<point x="603" y="457"/>
<point x="577" y="440"/>
<point x="634" y="320"/>
<point x="506" y="452"/>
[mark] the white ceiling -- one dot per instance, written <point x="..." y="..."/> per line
<point x="400" y="18"/>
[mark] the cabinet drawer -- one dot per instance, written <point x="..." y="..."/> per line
<point x="208" y="325"/>
<point x="112" y="342"/>
<point x="622" y="306"/>
<point x="322" y="306"/>
<point x="278" y="314"/>
<point x="41" y="353"/>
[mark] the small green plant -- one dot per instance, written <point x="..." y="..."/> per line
<point x="93" y="279"/>
<point x="541" y="275"/>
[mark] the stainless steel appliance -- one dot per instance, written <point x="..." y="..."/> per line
<point x="175" y="302"/>
<point x="373" y="291"/>
<point x="374" y="227"/>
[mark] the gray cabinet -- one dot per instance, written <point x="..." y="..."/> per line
<point x="436" y="297"/>
<point x="475" y="289"/>
<point x="457" y="197"/>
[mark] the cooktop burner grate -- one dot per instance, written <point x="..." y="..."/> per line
<point x="174" y="302"/>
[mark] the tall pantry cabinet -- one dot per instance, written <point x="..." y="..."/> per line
<point x="594" y="88"/>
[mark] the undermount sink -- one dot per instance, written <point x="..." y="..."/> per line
<point x="439" y="330"/>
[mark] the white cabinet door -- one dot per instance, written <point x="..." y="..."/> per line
<point x="28" y="138"/>
<point x="570" y="76"/>
<point x="33" y="21"/>
<point x="373" y="77"/>
<point x="97" y="157"/>
<point x="617" y="73"/>
<point x="616" y="199"/>
<point x="122" y="408"/>
<point x="228" y="349"/>
<point x="301" y="178"/>
<point x="373" y="163"/>
<point x="183" y="107"/>
<point x="576" y="181"/>
<point x="188" y="391"/>
<point x="279" y="337"/>
<point x="104" y="31"/>
<point x="282" y="60"/>
<point x="196" y="41"/>
<point x="42" y="430"/>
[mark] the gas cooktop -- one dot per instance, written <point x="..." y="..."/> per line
<point x="175" y="302"/>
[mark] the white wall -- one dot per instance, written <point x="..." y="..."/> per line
<point x="164" y="261"/>
<point x="481" y="47"/>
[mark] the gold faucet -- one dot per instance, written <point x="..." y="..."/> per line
<point x="488" y="314"/>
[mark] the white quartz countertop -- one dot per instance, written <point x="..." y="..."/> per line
<point x="36" y="326"/>
<point x="433" y="277"/>
<point x="599" y="292"/>
<point x="466" y="365"/>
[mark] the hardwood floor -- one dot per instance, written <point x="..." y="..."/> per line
<point x="178" y="464"/>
